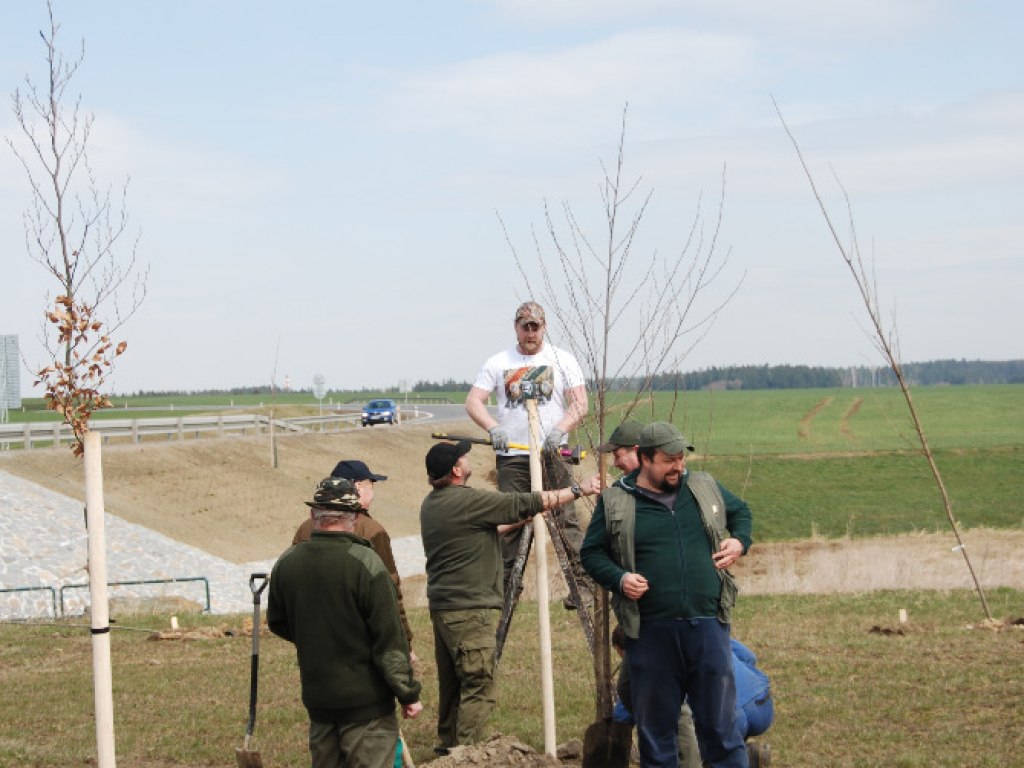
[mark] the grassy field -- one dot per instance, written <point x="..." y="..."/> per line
<point x="852" y="686"/>
<point x="737" y="422"/>
<point x="874" y="494"/>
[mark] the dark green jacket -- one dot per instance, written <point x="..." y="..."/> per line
<point x="459" y="528"/>
<point x="333" y="598"/>
<point x="671" y="549"/>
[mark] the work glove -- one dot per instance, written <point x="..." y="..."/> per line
<point x="553" y="441"/>
<point x="499" y="439"/>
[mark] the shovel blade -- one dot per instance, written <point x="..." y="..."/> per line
<point x="248" y="758"/>
<point x="607" y="744"/>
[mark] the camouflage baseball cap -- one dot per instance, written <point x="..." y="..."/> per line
<point x="664" y="436"/>
<point x="626" y="435"/>
<point x="337" y="494"/>
<point x="530" y="312"/>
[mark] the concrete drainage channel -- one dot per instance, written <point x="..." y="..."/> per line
<point x="44" y="550"/>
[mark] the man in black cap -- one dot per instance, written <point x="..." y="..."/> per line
<point x="661" y="541"/>
<point x="459" y="527"/>
<point x="333" y="598"/>
<point x="363" y="479"/>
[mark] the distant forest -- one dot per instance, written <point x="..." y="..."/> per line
<point x="936" y="372"/>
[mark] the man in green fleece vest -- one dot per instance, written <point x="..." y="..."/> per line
<point x="333" y="597"/>
<point x="661" y="541"/>
<point x="459" y="527"/>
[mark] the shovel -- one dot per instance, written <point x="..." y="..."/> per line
<point x="607" y="744"/>
<point x="246" y="757"/>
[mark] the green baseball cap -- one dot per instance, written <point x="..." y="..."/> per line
<point x="665" y="437"/>
<point x="626" y="435"/>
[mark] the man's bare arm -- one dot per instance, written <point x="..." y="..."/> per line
<point x="476" y="408"/>
<point x="576" y="406"/>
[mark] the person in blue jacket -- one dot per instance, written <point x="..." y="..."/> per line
<point x="754" y="708"/>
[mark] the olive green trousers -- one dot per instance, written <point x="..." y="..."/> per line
<point x="464" y="652"/>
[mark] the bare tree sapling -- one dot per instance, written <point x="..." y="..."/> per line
<point x="886" y="340"/>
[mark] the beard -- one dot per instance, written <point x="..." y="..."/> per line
<point x="670" y="486"/>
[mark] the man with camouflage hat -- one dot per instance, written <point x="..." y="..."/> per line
<point x="561" y="394"/>
<point x="367" y="527"/>
<point x="661" y="541"/>
<point x="333" y="598"/>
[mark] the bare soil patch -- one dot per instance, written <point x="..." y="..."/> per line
<point x="804" y="430"/>
<point x="844" y="423"/>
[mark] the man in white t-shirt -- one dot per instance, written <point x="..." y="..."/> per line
<point x="560" y="391"/>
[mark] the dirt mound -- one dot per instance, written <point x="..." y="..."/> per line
<point x="499" y="751"/>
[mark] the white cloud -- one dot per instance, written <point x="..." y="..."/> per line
<point x="572" y="92"/>
<point x="807" y="19"/>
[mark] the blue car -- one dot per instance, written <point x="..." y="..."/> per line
<point x="380" y="412"/>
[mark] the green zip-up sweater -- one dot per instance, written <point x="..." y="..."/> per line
<point x="333" y="597"/>
<point x="459" y="527"/>
<point x="671" y="550"/>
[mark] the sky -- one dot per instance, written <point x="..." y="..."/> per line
<point x="345" y="190"/>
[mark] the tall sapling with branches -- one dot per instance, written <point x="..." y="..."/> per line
<point x="75" y="229"/>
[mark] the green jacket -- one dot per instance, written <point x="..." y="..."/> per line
<point x="459" y="528"/>
<point x="632" y="532"/>
<point x="333" y="598"/>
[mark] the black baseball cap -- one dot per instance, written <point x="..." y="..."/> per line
<point x="443" y="457"/>
<point x="355" y="470"/>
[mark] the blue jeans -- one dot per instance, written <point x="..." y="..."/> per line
<point x="678" y="658"/>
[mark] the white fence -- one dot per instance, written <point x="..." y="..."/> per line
<point x="49" y="433"/>
<point x="34" y="434"/>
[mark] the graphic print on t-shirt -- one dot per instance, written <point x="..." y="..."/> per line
<point x="536" y="383"/>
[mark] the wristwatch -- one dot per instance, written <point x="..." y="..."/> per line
<point x="576" y="490"/>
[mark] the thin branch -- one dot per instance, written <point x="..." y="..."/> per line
<point x="885" y="340"/>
